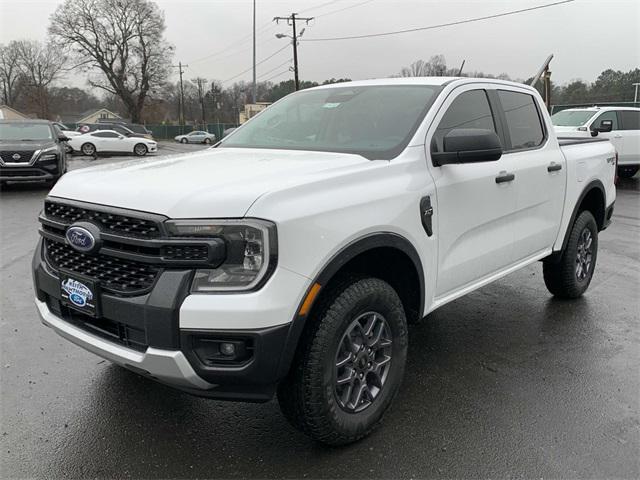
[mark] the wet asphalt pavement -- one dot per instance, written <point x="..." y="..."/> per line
<point x="506" y="382"/>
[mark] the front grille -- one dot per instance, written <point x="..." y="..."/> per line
<point x="24" y="156"/>
<point x="109" y="222"/>
<point x="114" y="331"/>
<point x="115" y="275"/>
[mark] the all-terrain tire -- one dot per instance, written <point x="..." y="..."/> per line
<point x="308" y="396"/>
<point x="563" y="277"/>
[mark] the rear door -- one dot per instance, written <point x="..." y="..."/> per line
<point x="475" y="230"/>
<point x="629" y="153"/>
<point x="539" y="168"/>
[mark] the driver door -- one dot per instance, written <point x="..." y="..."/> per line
<point x="475" y="202"/>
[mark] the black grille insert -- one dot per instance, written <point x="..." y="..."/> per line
<point x="24" y="156"/>
<point x="114" y="274"/>
<point x="109" y="222"/>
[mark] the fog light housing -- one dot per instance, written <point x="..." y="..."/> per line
<point x="223" y="351"/>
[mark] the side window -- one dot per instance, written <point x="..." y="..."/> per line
<point x="523" y="120"/>
<point x="630" y="119"/>
<point x="469" y="110"/>
<point x="98" y="134"/>
<point x="611" y="115"/>
<point x="110" y="135"/>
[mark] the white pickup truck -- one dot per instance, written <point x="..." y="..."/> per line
<point x="291" y="256"/>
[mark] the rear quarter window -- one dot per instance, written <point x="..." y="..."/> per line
<point x="630" y="119"/>
<point x="524" y="125"/>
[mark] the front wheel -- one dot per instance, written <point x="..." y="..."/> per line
<point x="628" y="171"/>
<point x="184" y="140"/>
<point x="349" y="364"/>
<point x="88" y="149"/>
<point x="207" y="141"/>
<point x="140" y="149"/>
<point x="570" y="276"/>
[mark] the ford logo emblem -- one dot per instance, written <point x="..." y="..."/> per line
<point x="84" y="237"/>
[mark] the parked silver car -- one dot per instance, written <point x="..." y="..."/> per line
<point x="197" y="136"/>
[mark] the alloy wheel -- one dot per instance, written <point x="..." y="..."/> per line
<point x="362" y="362"/>
<point x="584" y="255"/>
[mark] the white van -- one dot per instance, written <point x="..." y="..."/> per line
<point x="621" y="125"/>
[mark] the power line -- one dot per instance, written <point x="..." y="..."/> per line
<point x="274" y="68"/>
<point x="343" y="9"/>
<point x="441" y="25"/>
<point x="232" y="46"/>
<point x="276" y="75"/>
<point x="259" y="63"/>
<point x="319" y="6"/>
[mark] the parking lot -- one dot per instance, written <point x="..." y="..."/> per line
<point x="505" y="382"/>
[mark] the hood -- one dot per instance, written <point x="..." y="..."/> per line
<point x="214" y="183"/>
<point x="14" y="145"/>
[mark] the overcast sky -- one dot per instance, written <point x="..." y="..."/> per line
<point x="586" y="36"/>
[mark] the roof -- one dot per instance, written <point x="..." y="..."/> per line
<point x="437" y="81"/>
<point x="26" y="120"/>
<point x="7" y="107"/>
<point x="598" y="109"/>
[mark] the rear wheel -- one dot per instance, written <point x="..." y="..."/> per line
<point x="88" y="149"/>
<point x="628" y="171"/>
<point x="349" y="364"/>
<point x="570" y="276"/>
<point x="140" y="149"/>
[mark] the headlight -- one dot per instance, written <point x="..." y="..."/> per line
<point x="50" y="153"/>
<point x="251" y="247"/>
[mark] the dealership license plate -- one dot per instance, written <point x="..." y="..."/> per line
<point x="79" y="293"/>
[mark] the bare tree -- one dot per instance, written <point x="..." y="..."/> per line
<point x="10" y="73"/>
<point x="435" y="67"/>
<point x="40" y="66"/>
<point x="123" y="40"/>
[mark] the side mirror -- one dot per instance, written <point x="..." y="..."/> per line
<point x="120" y="137"/>
<point x="63" y="138"/>
<point x="605" y="126"/>
<point x="228" y="131"/>
<point x="468" y="145"/>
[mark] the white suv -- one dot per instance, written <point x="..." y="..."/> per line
<point x="621" y="125"/>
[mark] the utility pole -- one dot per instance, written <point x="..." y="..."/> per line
<point x="181" y="71"/>
<point x="291" y="20"/>
<point x="635" y="97"/>
<point x="200" y="83"/>
<point x="255" y="87"/>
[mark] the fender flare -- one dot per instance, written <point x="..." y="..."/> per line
<point x="341" y="258"/>
<point x="594" y="184"/>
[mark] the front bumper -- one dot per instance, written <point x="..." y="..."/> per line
<point x="157" y="334"/>
<point x="168" y="366"/>
<point x="40" y="171"/>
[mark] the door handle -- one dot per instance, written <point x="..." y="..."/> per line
<point x="554" y="167"/>
<point x="504" y="177"/>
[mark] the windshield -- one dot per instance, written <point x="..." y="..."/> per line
<point x="572" y="118"/>
<point x="25" y="132"/>
<point x="376" y="122"/>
